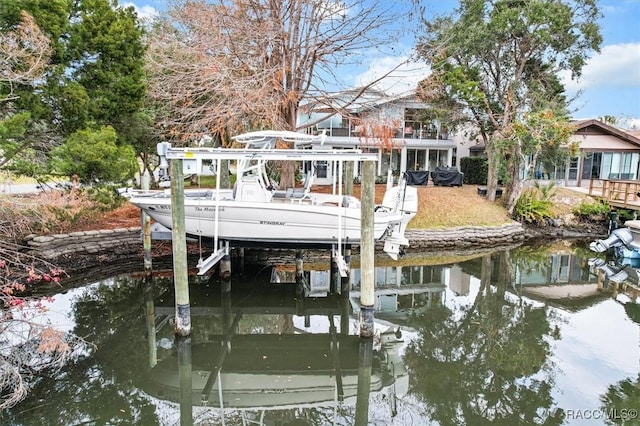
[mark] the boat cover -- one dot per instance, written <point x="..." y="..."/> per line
<point x="447" y="176"/>
<point x="417" y="177"/>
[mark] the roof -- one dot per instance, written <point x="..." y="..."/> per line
<point x="593" y="126"/>
<point x="355" y="100"/>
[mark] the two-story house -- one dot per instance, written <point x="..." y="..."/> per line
<point x="416" y="142"/>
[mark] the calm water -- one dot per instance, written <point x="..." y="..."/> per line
<point x="524" y="336"/>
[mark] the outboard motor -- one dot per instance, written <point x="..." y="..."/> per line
<point x="619" y="237"/>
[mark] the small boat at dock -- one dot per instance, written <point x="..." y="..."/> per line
<point x="256" y="211"/>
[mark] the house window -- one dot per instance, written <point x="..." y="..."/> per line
<point x="417" y="159"/>
<point x="619" y="165"/>
<point x="591" y="165"/>
<point x="438" y="158"/>
<point x="418" y="125"/>
<point x="321" y="169"/>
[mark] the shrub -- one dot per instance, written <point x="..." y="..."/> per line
<point x="587" y="210"/>
<point x="534" y="205"/>
<point x="54" y="211"/>
<point x="475" y="169"/>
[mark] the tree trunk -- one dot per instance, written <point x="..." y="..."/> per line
<point x="492" y="178"/>
<point x="514" y="186"/>
<point x="223" y="174"/>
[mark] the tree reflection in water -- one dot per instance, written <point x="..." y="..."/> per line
<point x="487" y="362"/>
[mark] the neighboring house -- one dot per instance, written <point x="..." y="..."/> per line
<point x="606" y="152"/>
<point x="418" y="143"/>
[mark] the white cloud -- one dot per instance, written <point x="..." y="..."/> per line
<point x="616" y="65"/>
<point x="145" y="13"/>
<point x="403" y="79"/>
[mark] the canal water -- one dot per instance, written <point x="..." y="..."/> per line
<point x="530" y="335"/>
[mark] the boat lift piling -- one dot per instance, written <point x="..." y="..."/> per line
<point x="367" y="250"/>
<point x="146" y="226"/>
<point x="179" y="245"/>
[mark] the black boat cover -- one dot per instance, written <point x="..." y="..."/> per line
<point x="447" y="176"/>
<point x="417" y="177"/>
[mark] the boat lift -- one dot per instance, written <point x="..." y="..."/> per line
<point x="192" y="160"/>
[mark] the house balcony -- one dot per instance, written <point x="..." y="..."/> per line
<point x="399" y="134"/>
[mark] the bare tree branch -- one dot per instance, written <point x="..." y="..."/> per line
<point x="24" y="54"/>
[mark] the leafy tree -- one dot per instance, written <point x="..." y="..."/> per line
<point x="94" y="74"/>
<point x="494" y="60"/>
<point x="94" y="155"/>
<point x="106" y="53"/>
<point x="539" y="134"/>
<point x="24" y="53"/>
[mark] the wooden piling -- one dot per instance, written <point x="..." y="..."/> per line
<point x="367" y="250"/>
<point x="348" y="178"/>
<point x="146" y="226"/>
<point x="179" y="243"/>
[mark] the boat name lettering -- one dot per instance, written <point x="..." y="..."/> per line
<point x="162" y="207"/>
<point x="270" y="222"/>
<point x="208" y="209"/>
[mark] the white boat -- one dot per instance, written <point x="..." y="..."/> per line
<point x="256" y="211"/>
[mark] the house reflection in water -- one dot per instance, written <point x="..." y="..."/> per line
<point x="401" y="291"/>
<point x="563" y="279"/>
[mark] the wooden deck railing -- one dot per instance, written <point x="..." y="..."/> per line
<point x="617" y="192"/>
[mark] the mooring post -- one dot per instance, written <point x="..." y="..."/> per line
<point x="225" y="267"/>
<point x="299" y="264"/>
<point x="367" y="250"/>
<point x="345" y="284"/>
<point x="146" y="226"/>
<point x="179" y="243"/>
<point x="240" y="257"/>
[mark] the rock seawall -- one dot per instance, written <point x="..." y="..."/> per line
<point x="127" y="241"/>
<point x="466" y="237"/>
<point x="122" y="241"/>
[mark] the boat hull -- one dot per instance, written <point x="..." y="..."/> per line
<point x="287" y="222"/>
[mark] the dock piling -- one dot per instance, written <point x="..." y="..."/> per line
<point x="146" y="226"/>
<point x="179" y="245"/>
<point x="367" y="250"/>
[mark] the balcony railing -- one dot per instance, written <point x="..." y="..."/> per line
<point x="399" y="134"/>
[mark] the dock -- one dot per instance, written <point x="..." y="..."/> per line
<point x="618" y="193"/>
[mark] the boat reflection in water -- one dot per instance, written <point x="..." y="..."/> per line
<point x="258" y="371"/>
<point x="265" y="360"/>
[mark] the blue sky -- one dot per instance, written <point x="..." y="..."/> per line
<point x="610" y="84"/>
